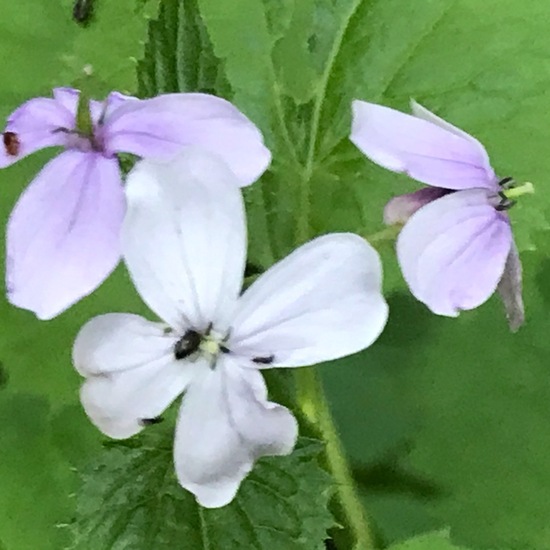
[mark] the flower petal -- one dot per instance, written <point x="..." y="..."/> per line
<point x="225" y="425"/>
<point x="63" y="234"/>
<point x="399" y="209"/>
<point x="184" y="238"/>
<point x="36" y="124"/>
<point x="132" y="374"/>
<point x="322" y="302"/>
<point x="452" y="251"/>
<point x="160" y="127"/>
<point x="510" y="290"/>
<point x="423" y="150"/>
<point x="120" y="341"/>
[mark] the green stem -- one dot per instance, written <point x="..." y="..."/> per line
<point x="387" y="234"/>
<point x="314" y="406"/>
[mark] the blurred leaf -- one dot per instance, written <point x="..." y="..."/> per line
<point x="35" y="481"/>
<point x="433" y="541"/>
<point x="131" y="499"/>
<point x="109" y="54"/>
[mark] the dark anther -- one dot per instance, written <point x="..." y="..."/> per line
<point x="151" y="421"/>
<point x="264" y="360"/>
<point x="505" y="203"/>
<point x="506" y="182"/>
<point x="83" y="11"/>
<point x="224" y="349"/>
<point x="188" y="344"/>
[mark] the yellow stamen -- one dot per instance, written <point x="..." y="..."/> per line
<point x="524" y="189"/>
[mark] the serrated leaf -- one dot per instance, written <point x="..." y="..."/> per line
<point x="131" y="499"/>
<point x="240" y="36"/>
<point x="179" y="56"/>
<point x="110" y="46"/>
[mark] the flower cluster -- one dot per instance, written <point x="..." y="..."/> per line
<point x="178" y="222"/>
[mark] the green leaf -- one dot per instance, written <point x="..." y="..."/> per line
<point x="35" y="481"/>
<point x="110" y="55"/>
<point x="130" y="499"/>
<point x="179" y="56"/>
<point x="468" y="409"/>
<point x="432" y="541"/>
<point x="393" y="51"/>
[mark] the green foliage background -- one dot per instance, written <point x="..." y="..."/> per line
<point x="446" y="421"/>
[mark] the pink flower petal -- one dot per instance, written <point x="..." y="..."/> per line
<point x="452" y="251"/>
<point x="63" y="234"/>
<point x="36" y="124"/>
<point x="425" y="151"/>
<point x="160" y="127"/>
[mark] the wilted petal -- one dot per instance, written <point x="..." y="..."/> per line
<point x="322" y="302"/>
<point x="423" y="150"/>
<point x="160" y="127"/>
<point x="63" y="234"/>
<point x="36" y="124"/>
<point x="510" y="290"/>
<point x="225" y="425"/>
<point x="131" y="372"/>
<point x="452" y="251"/>
<point x="184" y="238"/>
<point x="399" y="209"/>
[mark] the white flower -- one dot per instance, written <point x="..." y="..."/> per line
<point x="184" y="242"/>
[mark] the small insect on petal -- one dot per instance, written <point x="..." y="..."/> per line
<point x="264" y="360"/>
<point x="188" y="344"/>
<point x="83" y="11"/>
<point x="11" y="143"/>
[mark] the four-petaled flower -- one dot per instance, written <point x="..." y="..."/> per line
<point x="184" y="243"/>
<point x="457" y="247"/>
<point x="63" y="234"/>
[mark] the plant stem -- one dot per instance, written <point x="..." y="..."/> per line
<point x="314" y="405"/>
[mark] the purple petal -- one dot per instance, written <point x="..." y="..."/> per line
<point x="63" y="234"/>
<point x="68" y="97"/>
<point x="36" y="124"/>
<point x="160" y="127"/>
<point x="423" y="150"/>
<point x="399" y="209"/>
<point x="452" y="251"/>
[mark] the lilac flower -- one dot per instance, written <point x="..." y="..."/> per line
<point x="184" y="243"/>
<point x="457" y="245"/>
<point x="63" y="234"/>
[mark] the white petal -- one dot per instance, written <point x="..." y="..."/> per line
<point x="119" y="341"/>
<point x="184" y="238"/>
<point x="131" y="372"/>
<point x="225" y="425"/>
<point x="322" y="302"/>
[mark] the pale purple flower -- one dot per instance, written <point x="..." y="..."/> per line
<point x="184" y="243"/>
<point x="63" y="234"/>
<point x="457" y="238"/>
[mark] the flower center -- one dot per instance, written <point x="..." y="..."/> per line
<point x="510" y="191"/>
<point x="75" y="139"/>
<point x="208" y="344"/>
